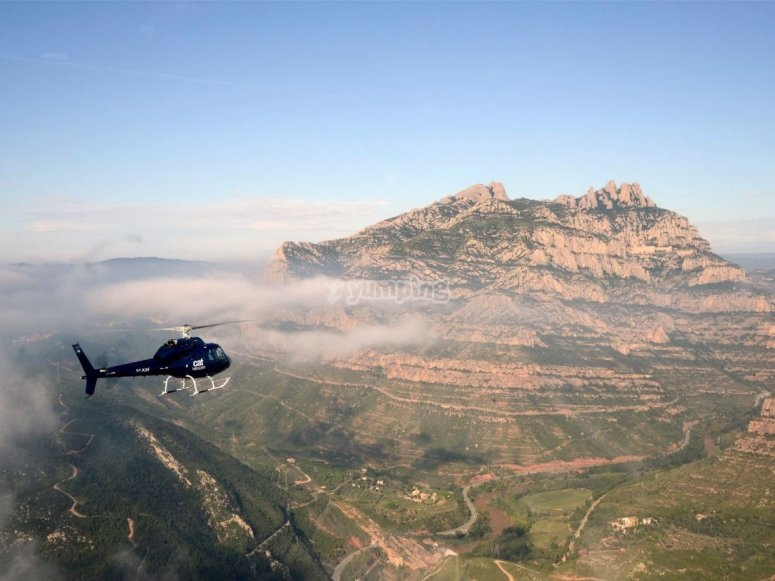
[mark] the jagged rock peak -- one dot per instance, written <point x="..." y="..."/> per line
<point x="479" y="193"/>
<point x="626" y="195"/>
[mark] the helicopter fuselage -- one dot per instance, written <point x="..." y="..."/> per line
<point x="178" y="358"/>
<point x="185" y="357"/>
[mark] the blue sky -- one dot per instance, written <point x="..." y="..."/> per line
<point x="217" y="130"/>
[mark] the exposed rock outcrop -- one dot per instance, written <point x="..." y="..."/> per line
<point x="611" y="245"/>
<point x="609" y="197"/>
<point x="760" y="438"/>
<point x="602" y="309"/>
<point x="765" y="424"/>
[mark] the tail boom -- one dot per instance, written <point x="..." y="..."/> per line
<point x="90" y="374"/>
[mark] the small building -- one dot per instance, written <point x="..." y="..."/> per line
<point x="625" y="523"/>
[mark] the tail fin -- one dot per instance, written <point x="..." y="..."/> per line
<point x="91" y="374"/>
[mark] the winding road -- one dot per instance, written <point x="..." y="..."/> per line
<point x="74" y="508"/>
<point x="464" y="528"/>
<point x="503" y="570"/>
<point x="337" y="576"/>
<point x="73" y="452"/>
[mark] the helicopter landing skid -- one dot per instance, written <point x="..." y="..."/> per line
<point x="182" y="384"/>
<point x="221" y="383"/>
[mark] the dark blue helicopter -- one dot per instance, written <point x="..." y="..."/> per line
<point x="184" y="358"/>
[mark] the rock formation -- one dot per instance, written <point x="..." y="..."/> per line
<point x="577" y="306"/>
<point x="610" y="245"/>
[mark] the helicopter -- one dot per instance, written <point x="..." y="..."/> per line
<point x="183" y="358"/>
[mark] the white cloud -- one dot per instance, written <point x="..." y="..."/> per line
<point x="77" y="300"/>
<point x="314" y="345"/>
<point x="234" y="297"/>
<point x="235" y="228"/>
<point x="230" y="296"/>
<point x="25" y="404"/>
<point x="12" y="279"/>
<point x="23" y="563"/>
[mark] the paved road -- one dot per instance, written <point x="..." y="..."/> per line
<point x="337" y="576"/>
<point x="464" y="528"/>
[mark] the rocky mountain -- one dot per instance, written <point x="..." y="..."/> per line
<point x="577" y="306"/>
<point x="612" y="244"/>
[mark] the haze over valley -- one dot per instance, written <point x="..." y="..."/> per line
<point x="448" y="391"/>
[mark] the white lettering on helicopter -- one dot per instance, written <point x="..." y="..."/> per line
<point x="142" y="370"/>
<point x="198" y="364"/>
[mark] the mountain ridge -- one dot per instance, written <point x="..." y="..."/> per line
<point x="611" y="244"/>
<point x="576" y="305"/>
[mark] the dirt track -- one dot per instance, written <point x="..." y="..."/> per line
<point x="72" y="452"/>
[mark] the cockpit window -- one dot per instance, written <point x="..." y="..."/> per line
<point x="216" y="354"/>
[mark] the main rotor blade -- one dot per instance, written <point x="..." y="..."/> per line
<point x="135" y="330"/>
<point x="219" y="324"/>
<point x="184" y="328"/>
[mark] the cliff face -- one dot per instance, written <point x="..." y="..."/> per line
<point x="765" y="424"/>
<point x="600" y="310"/>
<point x="608" y="269"/>
<point x="610" y="245"/>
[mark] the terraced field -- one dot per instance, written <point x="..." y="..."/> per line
<point x="704" y="520"/>
<point x="370" y="457"/>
